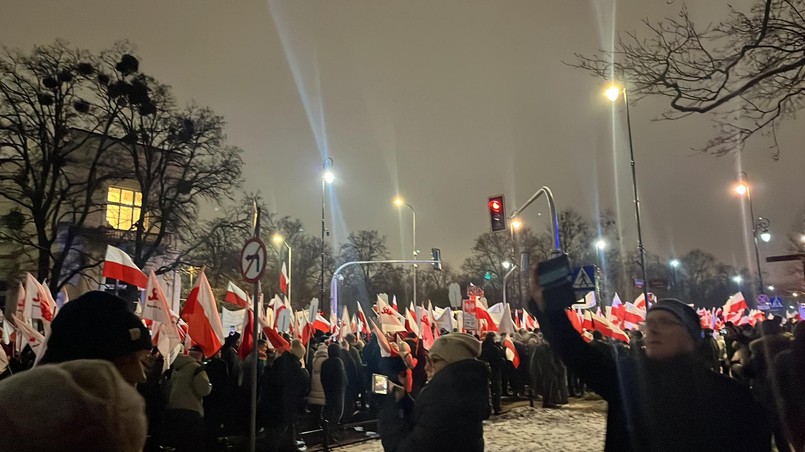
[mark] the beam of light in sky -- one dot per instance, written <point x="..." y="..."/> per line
<point x="300" y="52"/>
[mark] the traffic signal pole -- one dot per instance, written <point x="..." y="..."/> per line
<point x="557" y="243"/>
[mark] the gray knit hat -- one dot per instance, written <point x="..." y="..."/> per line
<point x="455" y="347"/>
<point x="683" y="312"/>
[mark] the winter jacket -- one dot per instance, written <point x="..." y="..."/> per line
<point x="284" y="388"/>
<point x="316" y="396"/>
<point x="334" y="382"/>
<point x="448" y="413"/>
<point x="188" y="384"/>
<point x="657" y="406"/>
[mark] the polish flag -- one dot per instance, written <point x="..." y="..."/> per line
<point x="364" y="324"/>
<point x="247" y="340"/>
<point x="385" y="347"/>
<point x="530" y="322"/>
<point x="511" y="353"/>
<point x="165" y="325"/>
<point x="587" y="321"/>
<point x="573" y="316"/>
<point x="118" y="265"/>
<point x="633" y="314"/>
<point x="39" y="302"/>
<point x="735" y="304"/>
<point x="427" y="330"/>
<point x="483" y="314"/>
<point x="640" y="301"/>
<point x="284" y="279"/>
<point x="390" y="320"/>
<point x="410" y="322"/>
<point x="276" y="340"/>
<point x="346" y="324"/>
<point x="394" y="303"/>
<point x="321" y="324"/>
<point x="236" y="295"/>
<point x="201" y="314"/>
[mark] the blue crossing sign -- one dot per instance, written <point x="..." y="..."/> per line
<point x="584" y="278"/>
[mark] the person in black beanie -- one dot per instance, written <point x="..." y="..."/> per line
<point x="98" y="325"/>
<point x="663" y="400"/>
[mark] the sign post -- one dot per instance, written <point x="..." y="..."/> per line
<point x="252" y="266"/>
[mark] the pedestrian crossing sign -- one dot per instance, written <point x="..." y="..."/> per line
<point x="584" y="278"/>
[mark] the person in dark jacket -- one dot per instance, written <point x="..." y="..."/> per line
<point x="334" y="382"/>
<point x="449" y="412"/>
<point x="492" y="354"/>
<point x="788" y="370"/>
<point x="354" y="380"/>
<point x="284" y="387"/>
<point x="666" y="400"/>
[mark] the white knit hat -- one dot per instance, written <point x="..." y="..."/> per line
<point x="77" y="405"/>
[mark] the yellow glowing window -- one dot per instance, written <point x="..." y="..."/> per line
<point x="123" y="208"/>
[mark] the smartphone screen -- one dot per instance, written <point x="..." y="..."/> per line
<point x="380" y="384"/>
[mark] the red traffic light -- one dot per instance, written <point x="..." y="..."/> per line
<point x="495" y="205"/>
<point x="497" y="213"/>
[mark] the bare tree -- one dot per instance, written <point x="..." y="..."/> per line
<point x="43" y="103"/>
<point x="747" y="70"/>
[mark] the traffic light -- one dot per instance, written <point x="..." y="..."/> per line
<point x="497" y="213"/>
<point x="436" y="255"/>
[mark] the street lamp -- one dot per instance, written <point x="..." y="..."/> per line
<point x="737" y="279"/>
<point x="771" y="288"/>
<point x="612" y="93"/>
<point x="674" y="263"/>
<point x="506" y="265"/>
<point x="743" y="188"/>
<point x="516" y="224"/>
<point x="400" y="202"/>
<point x="601" y="244"/>
<point x="327" y="177"/>
<point x="279" y="240"/>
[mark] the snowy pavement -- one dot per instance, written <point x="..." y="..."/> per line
<point x="577" y="427"/>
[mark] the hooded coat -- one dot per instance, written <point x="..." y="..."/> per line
<point x="657" y="406"/>
<point x="189" y="383"/>
<point x="316" y="396"/>
<point x="334" y="382"/>
<point x="448" y="413"/>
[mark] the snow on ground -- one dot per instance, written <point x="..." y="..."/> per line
<point x="568" y="429"/>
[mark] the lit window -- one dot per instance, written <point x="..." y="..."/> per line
<point x="123" y="207"/>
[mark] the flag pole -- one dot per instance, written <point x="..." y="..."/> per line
<point x="256" y="326"/>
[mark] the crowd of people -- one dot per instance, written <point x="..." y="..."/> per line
<point x="100" y="384"/>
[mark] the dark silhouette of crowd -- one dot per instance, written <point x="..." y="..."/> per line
<point x="678" y="387"/>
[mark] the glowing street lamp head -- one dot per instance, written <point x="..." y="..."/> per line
<point x="674" y="263"/>
<point x="277" y="239"/>
<point x="737" y="279"/>
<point x="802" y="238"/>
<point x="506" y="264"/>
<point x="741" y="188"/>
<point x="771" y="288"/>
<point x="328" y="177"/>
<point x="601" y="244"/>
<point x="516" y="224"/>
<point x="399" y="201"/>
<point x="765" y="236"/>
<point x="612" y="92"/>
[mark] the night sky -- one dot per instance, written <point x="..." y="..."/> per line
<point x="446" y="103"/>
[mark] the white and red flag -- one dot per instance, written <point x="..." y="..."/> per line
<point x="410" y="322"/>
<point x="511" y="352"/>
<point x="735" y="304"/>
<point x="634" y="315"/>
<point x="363" y="323"/>
<point x="39" y="303"/>
<point x="201" y="314"/>
<point x="118" y="265"/>
<point x="165" y="325"/>
<point x="236" y="295"/>
<point x="284" y="279"/>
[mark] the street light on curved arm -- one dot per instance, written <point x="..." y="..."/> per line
<point x="744" y="188"/>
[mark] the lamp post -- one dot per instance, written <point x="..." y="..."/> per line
<point x="280" y="240"/>
<point x="327" y="177"/>
<point x="674" y="263"/>
<point x="612" y="94"/>
<point x="744" y="189"/>
<point x="399" y="202"/>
